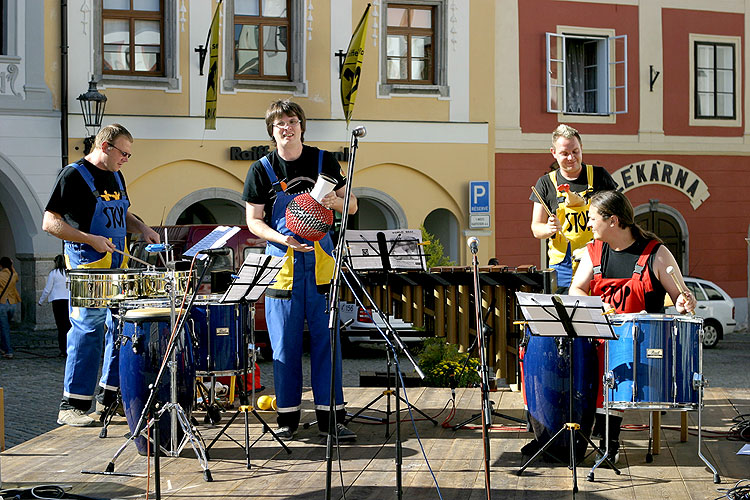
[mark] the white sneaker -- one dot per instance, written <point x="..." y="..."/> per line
<point x="75" y="418"/>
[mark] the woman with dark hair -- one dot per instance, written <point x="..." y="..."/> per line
<point x="626" y="266"/>
<point x="56" y="292"/>
<point x="10" y="302"/>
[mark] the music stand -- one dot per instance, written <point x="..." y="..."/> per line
<point x="387" y="250"/>
<point x="255" y="275"/>
<point x="581" y="317"/>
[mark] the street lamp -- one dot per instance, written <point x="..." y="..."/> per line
<point x="92" y="107"/>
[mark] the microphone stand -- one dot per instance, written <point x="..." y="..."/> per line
<point x="333" y="319"/>
<point x="484" y="369"/>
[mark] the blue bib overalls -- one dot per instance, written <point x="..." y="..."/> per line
<point x="292" y="299"/>
<point x="86" y="334"/>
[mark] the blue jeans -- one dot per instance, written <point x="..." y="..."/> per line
<point x="6" y="314"/>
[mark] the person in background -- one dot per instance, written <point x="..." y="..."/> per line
<point x="565" y="192"/>
<point x="9" y="304"/>
<point x="56" y="292"/>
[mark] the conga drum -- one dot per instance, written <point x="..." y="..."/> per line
<point x="145" y="338"/>
<point x="546" y="373"/>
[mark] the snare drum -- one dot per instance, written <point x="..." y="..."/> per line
<point x="654" y="360"/>
<point x="146" y="333"/>
<point x="99" y="288"/>
<point x="157" y="283"/>
<point x="218" y="333"/>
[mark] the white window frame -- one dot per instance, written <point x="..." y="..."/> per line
<point x="13" y="62"/>
<point x="297" y="85"/>
<point x="716" y="122"/>
<point x="608" y="88"/>
<point x="169" y="80"/>
<point x="440" y="32"/>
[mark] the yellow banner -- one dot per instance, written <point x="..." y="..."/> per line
<point x="352" y="67"/>
<point x="213" y="72"/>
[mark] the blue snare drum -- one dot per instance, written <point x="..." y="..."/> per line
<point x="146" y="333"/>
<point x="654" y="360"/>
<point x="546" y="383"/>
<point x="217" y="331"/>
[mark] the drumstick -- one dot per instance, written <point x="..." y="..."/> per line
<point x="670" y="271"/>
<point x="536" y="193"/>
<point x="134" y="258"/>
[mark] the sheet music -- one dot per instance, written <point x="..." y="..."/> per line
<point x="255" y="275"/>
<point x="404" y="249"/>
<point x="586" y="313"/>
<point x="215" y="239"/>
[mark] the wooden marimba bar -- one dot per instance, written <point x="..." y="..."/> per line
<point x="441" y="302"/>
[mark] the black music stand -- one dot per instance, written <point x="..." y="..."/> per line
<point x="255" y="275"/>
<point x="397" y="250"/>
<point x="580" y="316"/>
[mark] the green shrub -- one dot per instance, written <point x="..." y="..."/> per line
<point x="434" y="250"/>
<point x="441" y="362"/>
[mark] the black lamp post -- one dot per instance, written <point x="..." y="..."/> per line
<point x="92" y="107"/>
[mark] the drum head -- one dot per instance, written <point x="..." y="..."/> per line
<point x="147" y="314"/>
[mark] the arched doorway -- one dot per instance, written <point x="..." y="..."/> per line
<point x="377" y="210"/>
<point x="443" y="224"/>
<point x="667" y="224"/>
<point x="213" y="211"/>
<point x="209" y="206"/>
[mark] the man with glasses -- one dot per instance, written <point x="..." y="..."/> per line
<point x="298" y="293"/>
<point x="88" y="209"/>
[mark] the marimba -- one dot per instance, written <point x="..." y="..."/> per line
<point x="441" y="302"/>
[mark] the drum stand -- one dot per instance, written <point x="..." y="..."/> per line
<point x="572" y="428"/>
<point x="246" y="405"/>
<point x="698" y="383"/>
<point x="177" y="413"/>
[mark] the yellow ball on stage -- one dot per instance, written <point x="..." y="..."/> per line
<point x="264" y="402"/>
<point x="273" y="403"/>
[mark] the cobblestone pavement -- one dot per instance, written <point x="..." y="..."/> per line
<point x="33" y="380"/>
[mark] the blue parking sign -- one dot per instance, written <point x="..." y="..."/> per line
<point x="479" y="197"/>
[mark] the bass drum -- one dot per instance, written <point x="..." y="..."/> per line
<point x="146" y="333"/>
<point x="546" y="384"/>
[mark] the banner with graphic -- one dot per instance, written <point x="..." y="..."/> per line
<point x="213" y="71"/>
<point x="352" y="67"/>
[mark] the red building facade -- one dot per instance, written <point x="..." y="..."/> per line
<point x="671" y="128"/>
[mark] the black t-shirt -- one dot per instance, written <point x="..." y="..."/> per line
<point x="72" y="198"/>
<point x="621" y="264"/>
<point x="299" y="175"/>
<point x="602" y="182"/>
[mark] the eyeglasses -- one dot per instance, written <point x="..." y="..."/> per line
<point x="291" y="124"/>
<point x="123" y="153"/>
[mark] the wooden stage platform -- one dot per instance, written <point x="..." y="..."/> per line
<point x="367" y="470"/>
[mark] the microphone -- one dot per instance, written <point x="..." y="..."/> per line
<point x="360" y="131"/>
<point x="473" y="243"/>
<point x="215" y="251"/>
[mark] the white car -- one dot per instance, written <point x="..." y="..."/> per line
<point x="716" y="308"/>
<point x="358" y="327"/>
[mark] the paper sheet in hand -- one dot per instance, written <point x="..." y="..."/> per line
<point x="403" y="245"/>
<point x="255" y="275"/>
<point x="215" y="239"/>
<point x="584" y="311"/>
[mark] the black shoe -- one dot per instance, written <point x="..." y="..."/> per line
<point x="285" y="433"/>
<point x="342" y="432"/>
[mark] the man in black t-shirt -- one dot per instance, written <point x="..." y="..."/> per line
<point x="297" y="295"/>
<point x="565" y="192"/>
<point x="88" y="209"/>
